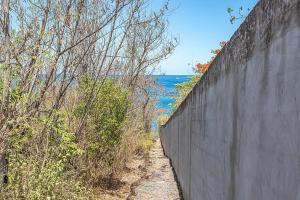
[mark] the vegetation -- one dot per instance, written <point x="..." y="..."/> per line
<point x="237" y="14"/>
<point x="183" y="89"/>
<point x="74" y="97"/>
<point x="162" y="119"/>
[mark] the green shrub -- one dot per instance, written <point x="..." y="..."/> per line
<point x="40" y="152"/>
<point x="104" y="123"/>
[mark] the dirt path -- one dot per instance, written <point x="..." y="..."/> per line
<point x="159" y="182"/>
<point x="146" y="178"/>
<point x="122" y="187"/>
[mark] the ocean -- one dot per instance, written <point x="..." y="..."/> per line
<point x="167" y="83"/>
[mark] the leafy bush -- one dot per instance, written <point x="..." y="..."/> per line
<point x="40" y="152"/>
<point x="162" y="119"/>
<point x="103" y="129"/>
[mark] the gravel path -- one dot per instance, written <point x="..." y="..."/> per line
<point x="159" y="183"/>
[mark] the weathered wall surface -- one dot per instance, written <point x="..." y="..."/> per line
<point x="237" y="134"/>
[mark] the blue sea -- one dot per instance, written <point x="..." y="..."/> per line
<point x="167" y="83"/>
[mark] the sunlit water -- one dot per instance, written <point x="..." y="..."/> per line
<point x="167" y="85"/>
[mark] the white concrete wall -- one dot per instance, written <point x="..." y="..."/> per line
<point x="237" y="135"/>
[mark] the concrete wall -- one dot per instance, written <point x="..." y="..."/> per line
<point x="237" y="134"/>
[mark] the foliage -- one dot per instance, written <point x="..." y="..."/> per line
<point x="147" y="142"/>
<point x="183" y="89"/>
<point x="42" y="171"/>
<point x="64" y="108"/>
<point x="236" y="15"/>
<point x="105" y="120"/>
<point x="162" y="119"/>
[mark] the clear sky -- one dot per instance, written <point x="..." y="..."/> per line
<point x="200" y="25"/>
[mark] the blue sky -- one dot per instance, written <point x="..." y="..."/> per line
<point x="200" y="25"/>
